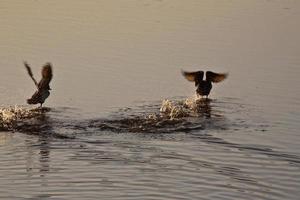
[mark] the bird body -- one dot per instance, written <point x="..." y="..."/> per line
<point x="39" y="97"/>
<point x="43" y="87"/>
<point x="204" y="86"/>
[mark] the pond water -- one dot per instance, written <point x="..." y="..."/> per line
<point x="122" y="122"/>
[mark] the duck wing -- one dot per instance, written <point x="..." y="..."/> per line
<point x="215" y="77"/>
<point x="193" y="76"/>
<point x="30" y="72"/>
<point x="46" y="77"/>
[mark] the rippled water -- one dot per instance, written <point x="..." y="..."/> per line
<point x="122" y="123"/>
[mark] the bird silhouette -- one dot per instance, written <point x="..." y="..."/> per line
<point x="43" y="87"/>
<point x="204" y="86"/>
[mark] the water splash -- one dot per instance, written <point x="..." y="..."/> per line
<point x="169" y="116"/>
<point x="10" y="116"/>
<point x="190" y="107"/>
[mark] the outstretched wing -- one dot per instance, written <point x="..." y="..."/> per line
<point x="215" y="77"/>
<point x="30" y="73"/>
<point x="193" y="76"/>
<point x="46" y="77"/>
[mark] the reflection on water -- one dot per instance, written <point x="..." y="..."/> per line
<point x="44" y="155"/>
<point x="5" y="137"/>
<point x="43" y="144"/>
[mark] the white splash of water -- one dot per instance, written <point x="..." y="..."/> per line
<point x="8" y="115"/>
<point x="179" y="109"/>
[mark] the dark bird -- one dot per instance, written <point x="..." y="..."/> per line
<point x="204" y="86"/>
<point x="43" y="87"/>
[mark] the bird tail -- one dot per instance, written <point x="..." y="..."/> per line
<point x="30" y="73"/>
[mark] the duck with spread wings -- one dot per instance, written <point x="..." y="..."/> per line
<point x="43" y="87"/>
<point x="204" y="86"/>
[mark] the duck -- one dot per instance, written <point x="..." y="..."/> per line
<point x="43" y="87"/>
<point x="204" y="86"/>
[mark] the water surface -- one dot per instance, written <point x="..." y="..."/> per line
<point x="102" y="134"/>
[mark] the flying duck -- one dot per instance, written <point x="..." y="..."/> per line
<point x="43" y="87"/>
<point x="204" y="86"/>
